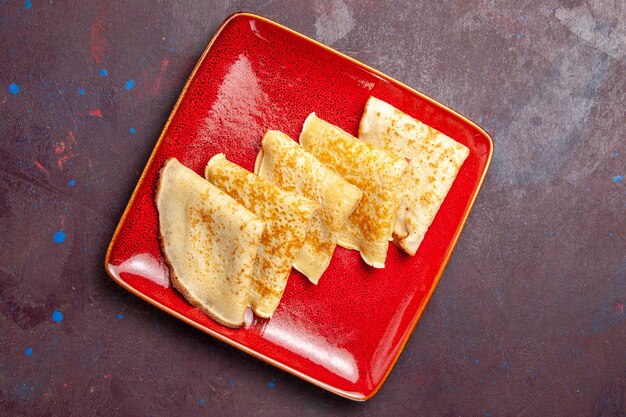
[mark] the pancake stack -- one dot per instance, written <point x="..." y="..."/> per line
<point x="230" y="240"/>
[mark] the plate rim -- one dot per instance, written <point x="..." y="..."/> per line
<point x="355" y="396"/>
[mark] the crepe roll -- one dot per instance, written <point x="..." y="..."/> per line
<point x="282" y="161"/>
<point x="435" y="162"/>
<point x="287" y="216"/>
<point x="210" y="243"/>
<point x="379" y="175"/>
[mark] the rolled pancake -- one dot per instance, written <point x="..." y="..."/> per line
<point x="435" y="162"/>
<point x="282" y="161"/>
<point x="210" y="243"/>
<point x="377" y="173"/>
<point x="287" y="216"/>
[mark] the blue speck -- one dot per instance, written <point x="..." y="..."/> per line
<point x="27" y="4"/>
<point x="272" y="383"/>
<point x="129" y="84"/>
<point x="465" y="358"/>
<point x="615" y="154"/>
<point x="506" y="365"/>
<point x="522" y="18"/>
<point x="132" y="130"/>
<point x="35" y="205"/>
<point x="519" y="36"/>
<point x="81" y="91"/>
<point x="57" y="316"/>
<point x="202" y="401"/>
<point x="59" y="237"/>
<point x="14" y="88"/>
<point x="610" y="234"/>
<point x="477" y="361"/>
<point x="103" y="72"/>
<point x="28" y="351"/>
<point x="120" y="316"/>
<point x="618" y="178"/>
<point x="71" y="183"/>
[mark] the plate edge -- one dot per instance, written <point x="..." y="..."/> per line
<point x="349" y="395"/>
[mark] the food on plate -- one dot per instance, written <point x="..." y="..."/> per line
<point x="287" y="216"/>
<point x="435" y="162"/>
<point x="209" y="241"/>
<point x="230" y="242"/>
<point x="380" y="175"/>
<point x="282" y="161"/>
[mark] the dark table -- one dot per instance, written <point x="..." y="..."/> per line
<point x="528" y="319"/>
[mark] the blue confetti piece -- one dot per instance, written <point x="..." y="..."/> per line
<point x="506" y="365"/>
<point x="59" y="237"/>
<point x="71" y="183"/>
<point x="202" y="401"/>
<point x="57" y="316"/>
<point x="28" y="351"/>
<point x="103" y="72"/>
<point x="618" y="178"/>
<point x="129" y="85"/>
<point x="81" y="91"/>
<point x="120" y="316"/>
<point x="132" y="130"/>
<point x="14" y="88"/>
<point x="272" y="383"/>
<point x="27" y="4"/>
<point x="615" y="154"/>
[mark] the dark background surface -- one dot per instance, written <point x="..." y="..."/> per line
<point x="528" y="319"/>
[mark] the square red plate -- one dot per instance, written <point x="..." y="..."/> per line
<point x="345" y="334"/>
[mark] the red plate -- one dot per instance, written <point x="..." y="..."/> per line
<point x="345" y="334"/>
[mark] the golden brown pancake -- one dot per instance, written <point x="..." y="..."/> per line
<point x="282" y="161"/>
<point x="210" y="243"/>
<point x="377" y="173"/>
<point x="435" y="162"/>
<point x="287" y="216"/>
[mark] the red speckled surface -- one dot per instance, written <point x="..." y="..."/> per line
<point x="345" y="333"/>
